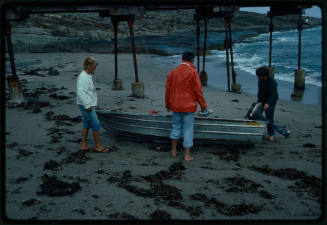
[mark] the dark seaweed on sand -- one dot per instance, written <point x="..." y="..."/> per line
<point x="160" y="215"/>
<point x="56" y="188"/>
<point x="23" y="153"/>
<point x="311" y="184"/>
<point x="21" y="180"/>
<point x="30" y="202"/>
<point x="51" y="116"/>
<point x="60" y="97"/>
<point x="78" y="157"/>
<point x="241" y="184"/>
<point x="121" y="216"/>
<point x="52" y="165"/>
<point x="233" y="210"/>
<point x="175" y="171"/>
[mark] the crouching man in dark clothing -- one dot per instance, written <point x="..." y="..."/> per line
<point x="268" y="96"/>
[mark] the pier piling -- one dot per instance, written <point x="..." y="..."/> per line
<point x="15" y="88"/>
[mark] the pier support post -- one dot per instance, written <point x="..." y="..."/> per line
<point x="138" y="89"/>
<point x="299" y="76"/>
<point x="15" y="88"/>
<point x="198" y="42"/>
<point x="271" y="71"/>
<point x="271" y="29"/>
<point x="226" y="43"/>
<point x="236" y="87"/>
<point x="204" y="76"/>
<point x="117" y="83"/>
<point x="299" y="81"/>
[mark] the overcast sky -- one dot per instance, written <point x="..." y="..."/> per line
<point x="314" y="11"/>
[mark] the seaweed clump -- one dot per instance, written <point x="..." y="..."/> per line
<point x="55" y="188"/>
<point x="233" y="210"/>
<point x="78" y="157"/>
<point x="160" y="215"/>
<point x="231" y="154"/>
<point x="52" y="165"/>
<point x="240" y="184"/>
<point x="310" y="183"/>
<point x="121" y="216"/>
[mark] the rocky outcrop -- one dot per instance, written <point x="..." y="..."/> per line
<point x="72" y="32"/>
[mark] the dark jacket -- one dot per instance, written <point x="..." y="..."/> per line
<point x="267" y="91"/>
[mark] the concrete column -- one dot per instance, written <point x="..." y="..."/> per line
<point x="299" y="80"/>
<point x="138" y="89"/>
<point x="297" y="94"/>
<point x="236" y="88"/>
<point x="15" y="90"/>
<point x="272" y="71"/>
<point x="117" y="85"/>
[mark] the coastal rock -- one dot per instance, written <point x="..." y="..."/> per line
<point x="80" y="32"/>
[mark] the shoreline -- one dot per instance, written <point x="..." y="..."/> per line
<point x="217" y="78"/>
<point x="311" y="95"/>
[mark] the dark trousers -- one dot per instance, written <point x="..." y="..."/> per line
<point x="271" y="126"/>
<point x="270" y="112"/>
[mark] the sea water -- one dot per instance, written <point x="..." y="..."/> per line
<point x="253" y="52"/>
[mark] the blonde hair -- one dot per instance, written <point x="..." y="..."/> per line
<point x="89" y="61"/>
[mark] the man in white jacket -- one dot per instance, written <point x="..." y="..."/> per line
<point x="86" y="101"/>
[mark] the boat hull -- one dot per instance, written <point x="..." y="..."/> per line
<point x="154" y="127"/>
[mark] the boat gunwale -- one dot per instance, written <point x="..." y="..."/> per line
<point x="261" y="124"/>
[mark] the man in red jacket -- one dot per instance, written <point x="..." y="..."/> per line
<point x="183" y="91"/>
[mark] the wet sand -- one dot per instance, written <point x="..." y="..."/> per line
<point x="47" y="178"/>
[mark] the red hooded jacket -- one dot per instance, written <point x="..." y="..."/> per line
<point x="184" y="89"/>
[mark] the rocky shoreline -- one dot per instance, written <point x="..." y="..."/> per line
<point x="88" y="32"/>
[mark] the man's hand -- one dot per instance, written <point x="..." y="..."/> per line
<point x="266" y="106"/>
<point x="89" y="109"/>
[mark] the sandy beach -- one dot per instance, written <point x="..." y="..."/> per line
<point x="278" y="180"/>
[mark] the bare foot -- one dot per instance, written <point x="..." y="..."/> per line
<point x="271" y="138"/>
<point x="84" y="148"/>
<point x="189" y="158"/>
<point x="173" y="153"/>
<point x="101" y="149"/>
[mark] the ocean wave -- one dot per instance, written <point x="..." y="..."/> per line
<point x="318" y="28"/>
<point x="284" y="39"/>
<point x="289" y="77"/>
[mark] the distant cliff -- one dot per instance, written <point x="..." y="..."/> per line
<point x="71" y="32"/>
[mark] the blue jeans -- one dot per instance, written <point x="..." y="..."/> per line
<point x="271" y="124"/>
<point x="90" y="119"/>
<point x="183" y="123"/>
